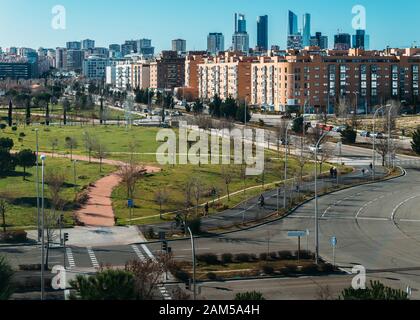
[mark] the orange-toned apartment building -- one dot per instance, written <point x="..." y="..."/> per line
<point x="313" y="79"/>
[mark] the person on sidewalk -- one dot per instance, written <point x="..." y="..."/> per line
<point x="261" y="201"/>
<point x="206" y="209"/>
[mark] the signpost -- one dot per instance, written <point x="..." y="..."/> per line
<point x="297" y="234"/>
<point x="334" y="245"/>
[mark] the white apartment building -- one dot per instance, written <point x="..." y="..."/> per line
<point x="94" y="67"/>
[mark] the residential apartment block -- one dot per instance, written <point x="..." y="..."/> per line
<point x="312" y="78"/>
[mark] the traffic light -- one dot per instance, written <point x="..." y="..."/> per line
<point x="165" y="246"/>
<point x="66" y="237"/>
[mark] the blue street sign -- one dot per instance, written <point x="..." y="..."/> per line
<point x="130" y="203"/>
<point x="296" y="234"/>
<point x="334" y="241"/>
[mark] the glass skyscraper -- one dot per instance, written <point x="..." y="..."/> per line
<point x="306" y="29"/>
<point x="262" y="32"/>
<point x="293" y="24"/>
<point x="240" y="39"/>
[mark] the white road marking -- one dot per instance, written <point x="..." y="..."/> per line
<point x="394" y="212"/>
<point x="92" y="257"/>
<point x="138" y="252"/>
<point x="162" y="288"/>
<point x="70" y="257"/>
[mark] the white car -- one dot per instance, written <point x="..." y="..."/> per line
<point x="313" y="149"/>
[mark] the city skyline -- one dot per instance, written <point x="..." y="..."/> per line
<point x="127" y="27"/>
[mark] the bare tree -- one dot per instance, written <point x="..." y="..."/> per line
<point x="90" y="143"/>
<point x="101" y="153"/>
<point x="55" y="182"/>
<point x="130" y="174"/>
<point x="325" y="154"/>
<point x="227" y="176"/>
<point x="71" y="144"/>
<point x="161" y="198"/>
<point x="342" y="108"/>
<point x="197" y="191"/>
<point x="54" y="145"/>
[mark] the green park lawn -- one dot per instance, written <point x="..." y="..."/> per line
<point x="21" y="194"/>
<point x="117" y="141"/>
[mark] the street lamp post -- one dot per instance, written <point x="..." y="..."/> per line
<point x="316" y="199"/>
<point x="374" y="142"/>
<point x="193" y="260"/>
<point x="43" y="157"/>
<point x="285" y="166"/>
<point x="37" y="186"/>
<point x="389" y="134"/>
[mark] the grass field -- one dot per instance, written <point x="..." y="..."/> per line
<point x="21" y="195"/>
<point x="118" y="140"/>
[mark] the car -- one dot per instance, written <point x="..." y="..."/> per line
<point x="313" y="148"/>
<point x="378" y="135"/>
<point x="365" y="134"/>
<point x="146" y="111"/>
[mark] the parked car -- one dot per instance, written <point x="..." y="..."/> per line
<point x="365" y="134"/>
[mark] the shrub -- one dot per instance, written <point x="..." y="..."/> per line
<point x="22" y="134"/>
<point x="269" y="270"/>
<point x="2" y="126"/>
<point x="306" y="255"/>
<point x="181" y="275"/>
<point x="289" y="269"/>
<point x="208" y="258"/>
<point x="14" y="236"/>
<point x="151" y="233"/>
<point x="286" y="255"/>
<point x="249" y="296"/>
<point x="14" y="128"/>
<point x="263" y="256"/>
<point x="227" y="258"/>
<point x="243" y="257"/>
<point x="326" y="268"/>
<point x="211" y="276"/>
<point x="195" y="225"/>
<point x="310" y="269"/>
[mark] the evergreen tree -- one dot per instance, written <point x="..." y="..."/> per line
<point x="10" y="113"/>
<point x="28" y="112"/>
<point x="415" y="144"/>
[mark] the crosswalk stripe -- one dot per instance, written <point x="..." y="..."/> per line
<point x="70" y="258"/>
<point x="138" y="252"/>
<point x="93" y="257"/>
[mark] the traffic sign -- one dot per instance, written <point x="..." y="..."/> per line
<point x="334" y="241"/>
<point x="297" y="234"/>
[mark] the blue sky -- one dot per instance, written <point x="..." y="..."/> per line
<point x="28" y="22"/>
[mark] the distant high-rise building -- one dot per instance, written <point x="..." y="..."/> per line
<point x="88" y="44"/>
<point x="75" y="60"/>
<point x="262" y="32"/>
<point x="342" y="41"/>
<point x="240" y="39"/>
<point x="361" y="40"/>
<point x="294" y="38"/>
<point x="61" y="58"/>
<point x="129" y="47"/>
<point x="74" y="45"/>
<point x="179" y="45"/>
<point x="319" y="41"/>
<point x="215" y="43"/>
<point x="293" y="24"/>
<point x="306" y="29"/>
<point x="294" y="42"/>
<point x="115" y="47"/>
<point x="144" y="47"/>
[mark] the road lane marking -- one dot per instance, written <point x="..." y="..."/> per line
<point x="70" y="257"/>
<point x="92" y="257"/>
<point x="394" y="212"/>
